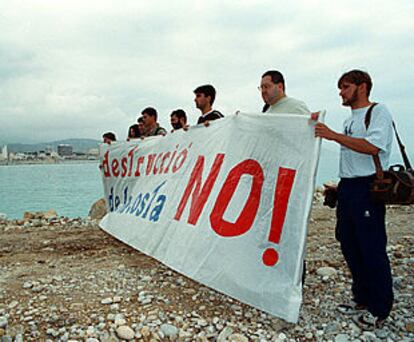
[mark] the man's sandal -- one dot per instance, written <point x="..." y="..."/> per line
<point x="350" y="308"/>
<point x="367" y="321"/>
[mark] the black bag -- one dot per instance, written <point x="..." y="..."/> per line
<point x="331" y="197"/>
<point x="395" y="186"/>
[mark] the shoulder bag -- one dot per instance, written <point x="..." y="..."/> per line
<point x="395" y="186"/>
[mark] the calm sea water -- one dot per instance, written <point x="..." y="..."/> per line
<point x="70" y="189"/>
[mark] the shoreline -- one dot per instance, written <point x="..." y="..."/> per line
<point x="49" y="162"/>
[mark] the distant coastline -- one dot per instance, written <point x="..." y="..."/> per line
<point x="48" y="162"/>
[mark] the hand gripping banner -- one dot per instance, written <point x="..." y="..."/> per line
<point x="226" y="205"/>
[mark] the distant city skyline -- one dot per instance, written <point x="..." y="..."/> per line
<point x="80" y="68"/>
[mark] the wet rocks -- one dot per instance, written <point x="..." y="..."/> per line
<point x="40" y="215"/>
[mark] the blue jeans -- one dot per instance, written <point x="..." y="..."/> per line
<point x="363" y="239"/>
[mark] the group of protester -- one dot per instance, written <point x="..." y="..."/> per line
<point x="360" y="221"/>
<point x="147" y="124"/>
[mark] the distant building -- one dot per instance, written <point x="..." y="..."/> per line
<point x="65" y="150"/>
<point x="4" y="153"/>
<point x="54" y="154"/>
<point x="93" y="152"/>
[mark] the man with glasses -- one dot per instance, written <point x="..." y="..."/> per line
<point x="272" y="88"/>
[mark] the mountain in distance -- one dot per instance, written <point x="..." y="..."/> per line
<point x="79" y="145"/>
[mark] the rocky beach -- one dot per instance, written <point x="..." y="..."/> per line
<point x="65" y="279"/>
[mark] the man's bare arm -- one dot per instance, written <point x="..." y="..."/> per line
<point x="356" y="144"/>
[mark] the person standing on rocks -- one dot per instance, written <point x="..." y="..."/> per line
<point x="360" y="221"/>
<point x="204" y="99"/>
<point x="272" y="89"/>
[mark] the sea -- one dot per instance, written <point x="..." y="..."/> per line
<point x="72" y="188"/>
<point x="69" y="188"/>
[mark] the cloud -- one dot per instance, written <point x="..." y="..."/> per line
<point x="78" y="68"/>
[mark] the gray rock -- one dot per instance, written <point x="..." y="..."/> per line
<point x="382" y="333"/>
<point x="114" y="307"/>
<point x="169" y="330"/>
<point x="117" y="299"/>
<point x="224" y="334"/>
<point x="237" y="338"/>
<point x="27" y="285"/>
<point x="369" y="336"/>
<point x="119" y="321"/>
<point x="309" y="336"/>
<point x="52" y="332"/>
<point x="333" y="328"/>
<point x="98" y="210"/>
<point x="281" y="337"/>
<point x="3" y="322"/>
<point x="341" y="338"/>
<point x="326" y="271"/>
<point x="106" y="301"/>
<point x="18" y="338"/>
<point x="13" y="304"/>
<point x="125" y="332"/>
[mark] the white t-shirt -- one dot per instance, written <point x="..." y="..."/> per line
<point x="289" y="105"/>
<point x="380" y="133"/>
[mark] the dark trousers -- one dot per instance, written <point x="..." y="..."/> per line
<point x="361" y="230"/>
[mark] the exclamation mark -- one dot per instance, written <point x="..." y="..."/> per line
<point x="283" y="189"/>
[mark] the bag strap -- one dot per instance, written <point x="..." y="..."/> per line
<point x="377" y="162"/>
<point x="378" y="167"/>
<point x="402" y="149"/>
<point x="368" y="115"/>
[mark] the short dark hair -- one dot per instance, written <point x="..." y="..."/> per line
<point x="179" y="113"/>
<point x="109" y="135"/>
<point x="135" y="130"/>
<point x="140" y="120"/>
<point x="357" y="77"/>
<point x="207" y="90"/>
<point x="151" y="112"/>
<point x="276" y="77"/>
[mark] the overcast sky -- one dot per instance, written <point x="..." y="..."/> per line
<point x="75" y="69"/>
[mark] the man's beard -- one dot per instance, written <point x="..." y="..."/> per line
<point x="352" y="100"/>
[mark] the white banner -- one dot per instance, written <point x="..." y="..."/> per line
<point x="226" y="205"/>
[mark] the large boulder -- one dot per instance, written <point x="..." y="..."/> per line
<point x="50" y="214"/>
<point x="28" y="215"/>
<point x="40" y="215"/>
<point x="98" y="209"/>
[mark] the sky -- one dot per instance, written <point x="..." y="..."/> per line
<point x="76" y="69"/>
